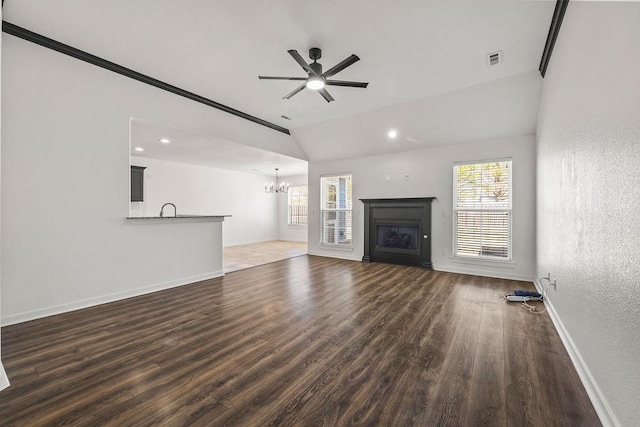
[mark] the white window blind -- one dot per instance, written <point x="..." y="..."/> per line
<point x="482" y="210"/>
<point x="298" y="205"/>
<point x="336" y="209"/>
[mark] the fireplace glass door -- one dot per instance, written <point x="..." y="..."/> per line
<point x="397" y="237"/>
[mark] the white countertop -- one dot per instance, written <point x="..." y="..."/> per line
<point x="183" y="216"/>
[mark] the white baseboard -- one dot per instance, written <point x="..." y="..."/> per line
<point x="249" y="242"/>
<point x="337" y="254"/>
<point x="90" y="302"/>
<point x="253" y="242"/>
<point x="4" y="380"/>
<point x="498" y="274"/>
<point x="449" y="269"/>
<point x="600" y="404"/>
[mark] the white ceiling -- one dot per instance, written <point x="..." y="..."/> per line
<point x="187" y="147"/>
<point x="504" y="107"/>
<point x="425" y="61"/>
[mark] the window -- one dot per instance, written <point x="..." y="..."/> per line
<point x="335" y="209"/>
<point x="482" y="210"/>
<point x="298" y="205"/>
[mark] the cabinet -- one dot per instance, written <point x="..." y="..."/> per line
<point x="137" y="183"/>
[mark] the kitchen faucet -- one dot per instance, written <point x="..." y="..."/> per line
<point x="175" y="211"/>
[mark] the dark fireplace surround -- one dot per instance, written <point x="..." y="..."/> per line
<point x="398" y="231"/>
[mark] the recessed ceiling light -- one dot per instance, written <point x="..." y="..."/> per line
<point x="164" y="140"/>
<point x="392" y="133"/>
<point x="139" y="149"/>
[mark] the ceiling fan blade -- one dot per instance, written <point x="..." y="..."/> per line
<point x="301" y="62"/>
<point x="325" y="95"/>
<point x="344" y="83"/>
<point x="296" y="90"/>
<point x="281" y="78"/>
<point x="340" y="66"/>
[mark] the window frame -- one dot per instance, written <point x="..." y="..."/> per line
<point x="508" y="210"/>
<point x="323" y="210"/>
<point x="292" y="188"/>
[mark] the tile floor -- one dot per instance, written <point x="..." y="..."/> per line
<point x="245" y="256"/>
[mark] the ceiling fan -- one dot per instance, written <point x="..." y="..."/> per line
<point x="316" y="79"/>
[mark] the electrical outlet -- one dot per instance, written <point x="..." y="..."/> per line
<point x="406" y="177"/>
<point x="550" y="282"/>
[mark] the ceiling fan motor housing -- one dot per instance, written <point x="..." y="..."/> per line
<point x="315" y="53"/>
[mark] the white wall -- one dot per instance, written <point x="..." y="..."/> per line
<point x="292" y="233"/>
<point x="65" y="185"/>
<point x="201" y="190"/>
<point x="431" y="175"/>
<point x="588" y="153"/>
<point x="4" y="381"/>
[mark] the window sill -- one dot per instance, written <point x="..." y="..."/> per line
<point x="297" y="225"/>
<point x="335" y="247"/>
<point x="484" y="262"/>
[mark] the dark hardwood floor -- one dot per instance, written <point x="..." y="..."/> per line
<point x="303" y="341"/>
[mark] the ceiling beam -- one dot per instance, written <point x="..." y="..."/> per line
<point x="554" y="30"/>
<point x="38" y="39"/>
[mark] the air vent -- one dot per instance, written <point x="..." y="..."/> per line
<point x="494" y="58"/>
<point x="285" y="117"/>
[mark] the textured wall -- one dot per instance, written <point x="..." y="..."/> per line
<point x="588" y="156"/>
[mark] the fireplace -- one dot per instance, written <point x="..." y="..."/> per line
<point x="398" y="231"/>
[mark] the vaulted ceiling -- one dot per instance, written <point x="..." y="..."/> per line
<point x="425" y="61"/>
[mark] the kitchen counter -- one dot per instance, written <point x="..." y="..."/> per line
<point x="179" y="218"/>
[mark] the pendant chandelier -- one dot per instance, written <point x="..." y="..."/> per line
<point x="283" y="187"/>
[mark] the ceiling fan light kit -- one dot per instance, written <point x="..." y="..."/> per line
<point x="316" y="79"/>
<point x="315" y="83"/>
